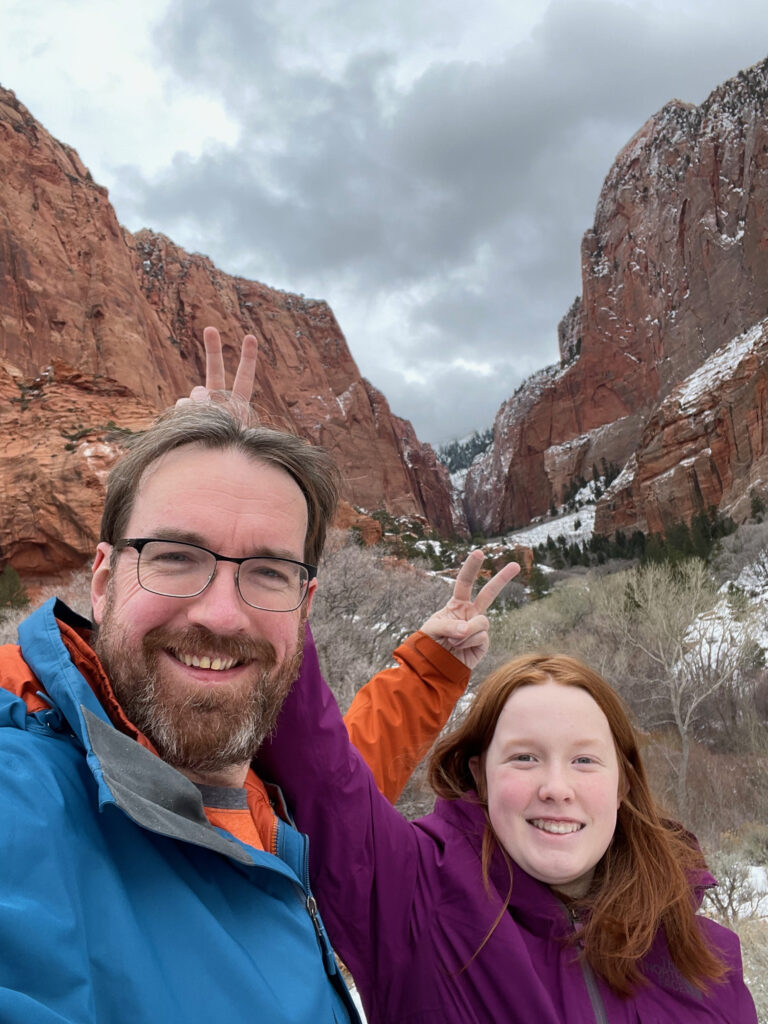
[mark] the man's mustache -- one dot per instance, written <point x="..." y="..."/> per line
<point x="197" y="640"/>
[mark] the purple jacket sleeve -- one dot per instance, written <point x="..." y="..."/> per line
<point x="364" y="856"/>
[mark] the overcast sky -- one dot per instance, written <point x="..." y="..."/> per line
<point x="428" y="168"/>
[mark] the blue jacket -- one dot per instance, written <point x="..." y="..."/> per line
<point x="119" y="902"/>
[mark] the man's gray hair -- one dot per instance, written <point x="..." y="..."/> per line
<point x="210" y="426"/>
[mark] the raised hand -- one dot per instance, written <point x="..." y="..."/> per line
<point x="462" y="626"/>
<point x="215" y="377"/>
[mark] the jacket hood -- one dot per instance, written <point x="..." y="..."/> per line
<point x="46" y="654"/>
<point x="151" y="792"/>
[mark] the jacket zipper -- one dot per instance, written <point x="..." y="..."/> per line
<point x="310" y="903"/>
<point x="352" y="1016"/>
<point x="595" y="998"/>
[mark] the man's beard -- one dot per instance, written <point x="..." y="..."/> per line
<point x="203" y="729"/>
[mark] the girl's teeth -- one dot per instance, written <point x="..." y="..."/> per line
<point x="560" y="828"/>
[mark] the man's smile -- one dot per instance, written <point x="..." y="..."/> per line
<point x="215" y="663"/>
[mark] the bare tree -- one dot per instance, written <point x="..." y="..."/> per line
<point x="686" y="640"/>
<point x="365" y="606"/>
<point x="740" y="550"/>
<point x="736" y="897"/>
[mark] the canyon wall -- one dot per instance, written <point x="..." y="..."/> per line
<point x="100" y="329"/>
<point x="674" y="268"/>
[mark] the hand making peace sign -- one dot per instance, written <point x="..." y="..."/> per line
<point x="215" y="377"/>
<point x="462" y="626"/>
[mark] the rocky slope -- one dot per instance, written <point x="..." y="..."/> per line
<point x="705" y="445"/>
<point x="99" y="327"/>
<point x="674" y="268"/>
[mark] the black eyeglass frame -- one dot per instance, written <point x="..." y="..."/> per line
<point x="139" y="543"/>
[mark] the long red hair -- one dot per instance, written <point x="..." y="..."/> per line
<point x="643" y="881"/>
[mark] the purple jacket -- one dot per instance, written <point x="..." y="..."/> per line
<point x="405" y="906"/>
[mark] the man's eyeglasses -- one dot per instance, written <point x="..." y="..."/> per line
<point x="172" y="569"/>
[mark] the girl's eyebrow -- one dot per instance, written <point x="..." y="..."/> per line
<point x="527" y="741"/>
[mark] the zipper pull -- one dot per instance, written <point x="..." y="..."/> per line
<point x="322" y="936"/>
<point x="312" y="908"/>
<point x="573" y="916"/>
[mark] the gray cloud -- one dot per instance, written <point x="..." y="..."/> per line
<point x="459" y="194"/>
<point x="450" y="400"/>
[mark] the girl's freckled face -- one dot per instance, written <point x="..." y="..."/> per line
<point x="552" y="777"/>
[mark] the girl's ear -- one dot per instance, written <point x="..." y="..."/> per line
<point x="623" y="785"/>
<point x="477" y="767"/>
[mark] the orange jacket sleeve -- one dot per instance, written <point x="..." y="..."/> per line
<point x="395" y="718"/>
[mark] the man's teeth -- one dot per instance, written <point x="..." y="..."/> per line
<point x="560" y="828"/>
<point x="217" y="664"/>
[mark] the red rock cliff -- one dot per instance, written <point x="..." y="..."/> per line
<point x="705" y="445"/>
<point x="674" y="268"/>
<point x="121" y="316"/>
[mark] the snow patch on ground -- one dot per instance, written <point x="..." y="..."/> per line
<point x="718" y="631"/>
<point x="429" y="547"/>
<point x="575" y="526"/>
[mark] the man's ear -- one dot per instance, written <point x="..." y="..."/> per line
<point x="310" y="594"/>
<point x="100" y="580"/>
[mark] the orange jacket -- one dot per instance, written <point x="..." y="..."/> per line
<point x="395" y="718"/>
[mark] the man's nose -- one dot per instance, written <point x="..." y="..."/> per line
<point x="220" y="608"/>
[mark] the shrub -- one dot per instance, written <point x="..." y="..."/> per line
<point x="756" y="505"/>
<point x="12" y="591"/>
<point x="538" y="583"/>
<point x="754" y="950"/>
<point x="365" y="606"/>
<point x="735" y="897"/>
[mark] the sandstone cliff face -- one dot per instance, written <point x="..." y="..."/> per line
<point x="60" y="441"/>
<point x="705" y="445"/>
<point x="121" y="318"/>
<point x="674" y="268"/>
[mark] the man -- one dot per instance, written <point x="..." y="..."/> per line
<point x="144" y="873"/>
